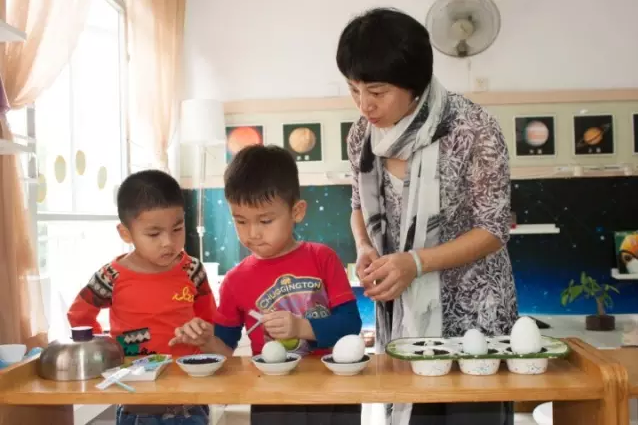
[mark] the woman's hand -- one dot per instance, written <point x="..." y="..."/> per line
<point x="393" y="273"/>
<point x="366" y="254"/>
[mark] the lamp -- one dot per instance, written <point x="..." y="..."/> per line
<point x="202" y="125"/>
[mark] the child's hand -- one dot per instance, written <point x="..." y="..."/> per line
<point x="196" y="332"/>
<point x="282" y="325"/>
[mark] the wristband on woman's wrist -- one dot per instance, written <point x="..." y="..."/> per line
<point x="417" y="262"/>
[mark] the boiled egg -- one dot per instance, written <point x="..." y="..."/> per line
<point x="273" y="352"/>
<point x="349" y="349"/>
<point x="525" y="337"/>
<point x="474" y="342"/>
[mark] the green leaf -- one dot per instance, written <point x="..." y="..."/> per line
<point x="575" y="292"/>
<point x="564" y="298"/>
<point x="608" y="301"/>
<point x="595" y="286"/>
<point x="612" y="288"/>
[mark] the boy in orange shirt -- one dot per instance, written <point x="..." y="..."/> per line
<point x="152" y="290"/>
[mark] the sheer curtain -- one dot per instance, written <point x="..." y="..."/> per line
<point x="27" y="68"/>
<point x="155" y="35"/>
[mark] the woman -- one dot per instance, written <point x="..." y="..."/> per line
<point x="431" y="201"/>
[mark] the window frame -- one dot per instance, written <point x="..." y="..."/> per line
<point x="31" y="111"/>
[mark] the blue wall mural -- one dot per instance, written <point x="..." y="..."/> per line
<point x="587" y="211"/>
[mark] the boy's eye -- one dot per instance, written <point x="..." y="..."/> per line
<point x="153" y="235"/>
<point x="239" y="222"/>
<point x="178" y="229"/>
<point x="266" y="221"/>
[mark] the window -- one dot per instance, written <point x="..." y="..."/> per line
<point x="81" y="160"/>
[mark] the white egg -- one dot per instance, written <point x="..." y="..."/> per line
<point x="525" y="337"/>
<point x="273" y="352"/>
<point x="474" y="342"/>
<point x="349" y="349"/>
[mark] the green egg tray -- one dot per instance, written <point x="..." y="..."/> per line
<point x="419" y="348"/>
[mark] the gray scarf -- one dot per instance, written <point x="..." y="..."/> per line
<point x="417" y="313"/>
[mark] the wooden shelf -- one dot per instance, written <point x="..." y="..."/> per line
<point x="10" y="147"/>
<point x="615" y="274"/>
<point x="10" y="33"/>
<point x="535" y="229"/>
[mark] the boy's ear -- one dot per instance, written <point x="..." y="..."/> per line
<point x="299" y="210"/>
<point x="125" y="234"/>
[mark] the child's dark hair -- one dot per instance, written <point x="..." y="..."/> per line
<point x="147" y="190"/>
<point x="258" y="174"/>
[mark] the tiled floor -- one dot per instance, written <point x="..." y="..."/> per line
<point x="240" y="415"/>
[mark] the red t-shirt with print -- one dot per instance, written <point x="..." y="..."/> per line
<point x="309" y="281"/>
<point x="145" y="309"/>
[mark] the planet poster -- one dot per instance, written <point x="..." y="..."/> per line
<point x="238" y="137"/>
<point x="535" y="136"/>
<point x="634" y="118"/>
<point x="593" y="134"/>
<point x="345" y="129"/>
<point x="626" y="244"/>
<point x="303" y="140"/>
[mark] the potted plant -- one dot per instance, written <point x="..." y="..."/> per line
<point x="590" y="289"/>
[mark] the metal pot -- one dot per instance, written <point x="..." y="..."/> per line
<point x="82" y="357"/>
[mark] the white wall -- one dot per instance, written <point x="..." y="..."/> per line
<point x="247" y="49"/>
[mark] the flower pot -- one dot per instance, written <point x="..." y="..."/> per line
<point x="600" y="322"/>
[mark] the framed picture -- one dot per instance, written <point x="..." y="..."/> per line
<point x="634" y="119"/>
<point x="535" y="136"/>
<point x="345" y="129"/>
<point x="594" y="134"/>
<point x="238" y="137"/>
<point x="303" y="140"/>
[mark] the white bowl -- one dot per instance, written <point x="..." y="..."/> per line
<point x="527" y="365"/>
<point x="345" y="369"/>
<point x="201" y="370"/>
<point x="12" y="353"/>
<point x="277" y="368"/>
<point x="435" y="367"/>
<point x="479" y="367"/>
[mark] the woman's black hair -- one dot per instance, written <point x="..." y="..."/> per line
<point x="387" y="46"/>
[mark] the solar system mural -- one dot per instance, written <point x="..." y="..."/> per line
<point x="238" y="137"/>
<point x="345" y="129"/>
<point x="303" y="141"/>
<point x="593" y="134"/>
<point x="535" y="136"/>
<point x="587" y="211"/>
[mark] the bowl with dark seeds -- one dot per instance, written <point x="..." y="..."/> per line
<point x="201" y="365"/>
<point x="345" y="369"/>
<point x="277" y="368"/>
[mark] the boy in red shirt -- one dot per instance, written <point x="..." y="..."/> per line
<point x="151" y="290"/>
<point x="301" y="287"/>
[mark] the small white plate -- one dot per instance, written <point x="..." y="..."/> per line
<point x="201" y="370"/>
<point x="345" y="369"/>
<point x="277" y="368"/>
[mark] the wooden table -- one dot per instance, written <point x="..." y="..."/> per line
<point x="583" y="386"/>
<point x="628" y="357"/>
